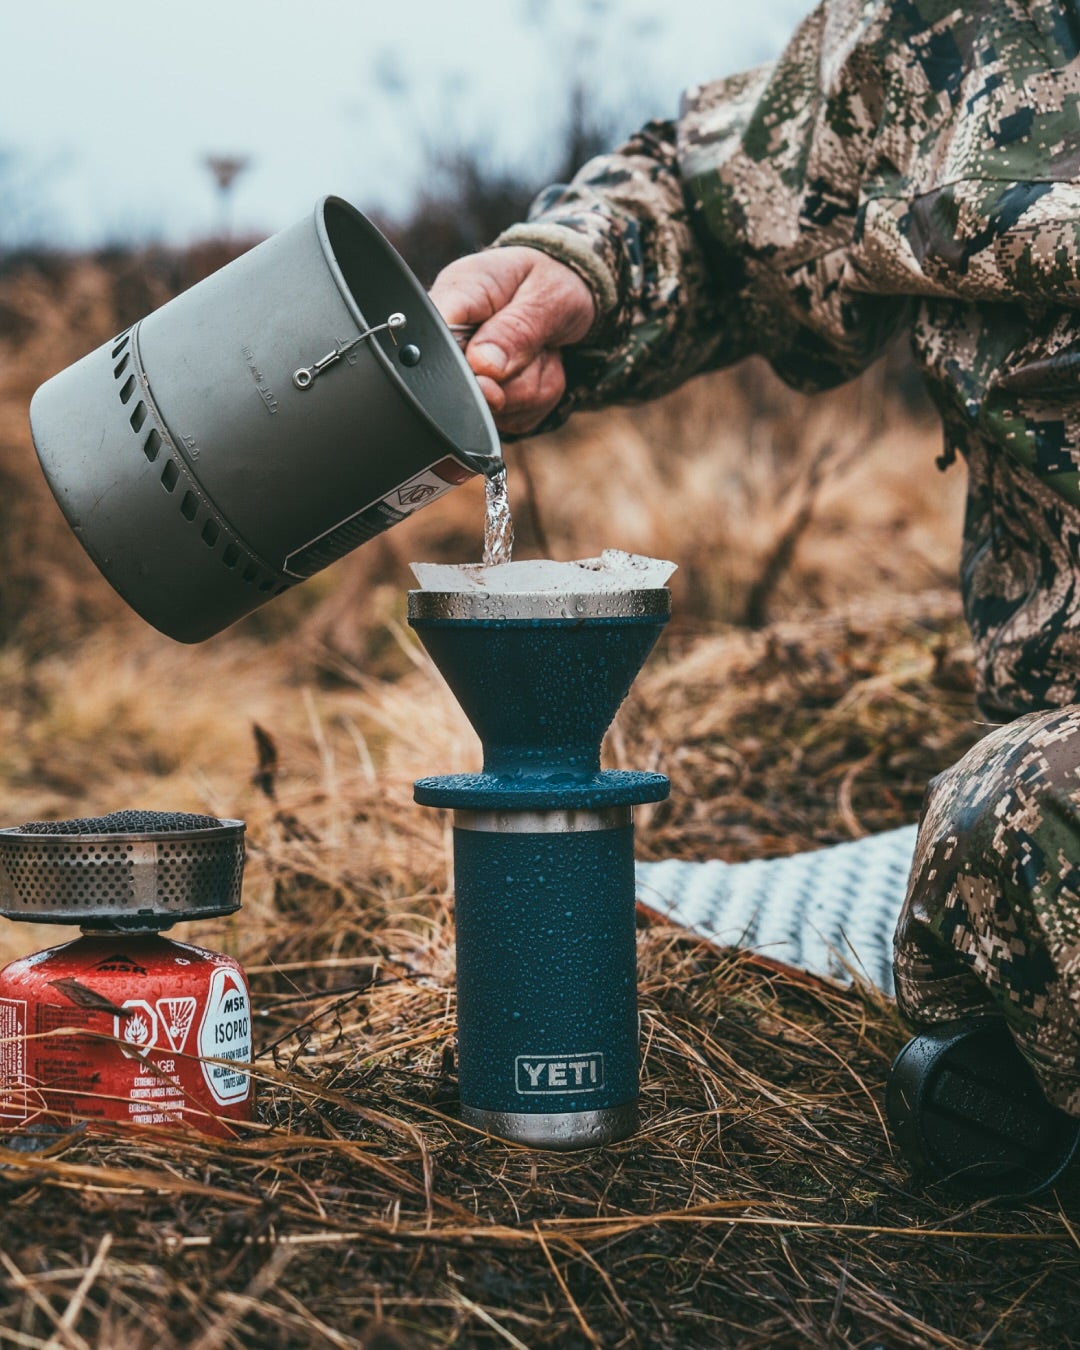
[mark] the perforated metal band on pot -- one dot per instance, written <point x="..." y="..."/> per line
<point x="129" y="871"/>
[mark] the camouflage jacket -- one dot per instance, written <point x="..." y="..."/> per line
<point x="905" y="164"/>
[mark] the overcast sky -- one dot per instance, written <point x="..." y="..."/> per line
<point x="108" y="110"/>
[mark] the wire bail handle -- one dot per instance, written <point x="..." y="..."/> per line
<point x="306" y="376"/>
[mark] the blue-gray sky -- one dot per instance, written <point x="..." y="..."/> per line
<point x="109" y="109"/>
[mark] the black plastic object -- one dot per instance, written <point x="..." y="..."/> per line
<point x="965" y="1107"/>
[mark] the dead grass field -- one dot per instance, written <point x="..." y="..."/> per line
<point x="761" y="1204"/>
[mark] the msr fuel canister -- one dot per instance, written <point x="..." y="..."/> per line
<point x="122" y="1023"/>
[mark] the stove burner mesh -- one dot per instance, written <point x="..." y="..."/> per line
<point x="124" y="822"/>
<point x="130" y="870"/>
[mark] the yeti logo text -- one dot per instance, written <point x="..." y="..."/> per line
<point x="545" y="1074"/>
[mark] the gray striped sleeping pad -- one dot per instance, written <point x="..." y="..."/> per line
<point x="831" y="912"/>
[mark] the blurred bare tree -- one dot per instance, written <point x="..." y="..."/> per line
<point x="225" y="170"/>
<point x="467" y="192"/>
<point x="24" y="216"/>
<point x="466" y="198"/>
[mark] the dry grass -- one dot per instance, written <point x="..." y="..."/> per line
<point x="761" y="1203"/>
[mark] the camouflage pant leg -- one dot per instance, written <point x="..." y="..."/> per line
<point x="991" y="923"/>
<point x="1021" y="584"/>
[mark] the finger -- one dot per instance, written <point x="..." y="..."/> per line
<point x="509" y="341"/>
<point x="531" y="395"/>
<point x="471" y="289"/>
<point x="492" y="392"/>
<point x="523" y="303"/>
<point x="519" y="335"/>
<point x="459" y="301"/>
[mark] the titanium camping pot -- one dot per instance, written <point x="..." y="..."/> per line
<point x="261" y="425"/>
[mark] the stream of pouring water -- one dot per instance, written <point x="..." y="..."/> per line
<point x="498" y="524"/>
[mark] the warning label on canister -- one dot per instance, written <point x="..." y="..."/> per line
<point x="13" y="1057"/>
<point x="225" y="1034"/>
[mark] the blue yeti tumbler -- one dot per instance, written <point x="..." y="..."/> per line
<point x="544" y="857"/>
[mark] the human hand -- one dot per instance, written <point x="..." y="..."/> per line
<point x="527" y="306"/>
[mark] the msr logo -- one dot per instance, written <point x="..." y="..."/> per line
<point x="546" y="1074"/>
<point x="120" y="963"/>
<point x="416" y="494"/>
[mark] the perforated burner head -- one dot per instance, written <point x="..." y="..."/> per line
<point x="128" y="871"/>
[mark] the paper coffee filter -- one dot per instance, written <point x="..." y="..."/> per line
<point x="613" y="571"/>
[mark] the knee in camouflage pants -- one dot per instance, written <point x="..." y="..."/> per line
<point x="992" y="919"/>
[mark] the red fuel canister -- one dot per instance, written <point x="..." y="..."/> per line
<point x="122" y="1023"/>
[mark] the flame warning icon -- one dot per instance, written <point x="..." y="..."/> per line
<point x="137" y="1031"/>
<point x="138" y="1027"/>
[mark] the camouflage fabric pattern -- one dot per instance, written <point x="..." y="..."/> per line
<point x="992" y="918"/>
<point x="906" y="165"/>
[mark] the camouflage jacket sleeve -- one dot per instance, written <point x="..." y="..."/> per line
<point x="901" y="158"/>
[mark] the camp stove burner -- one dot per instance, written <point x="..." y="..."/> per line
<point x="123" y="1024"/>
<point x="130" y="871"/>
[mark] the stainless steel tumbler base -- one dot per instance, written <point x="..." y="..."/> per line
<point x="561" y="1130"/>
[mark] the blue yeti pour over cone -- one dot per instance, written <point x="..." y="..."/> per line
<point x="544" y="857"/>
